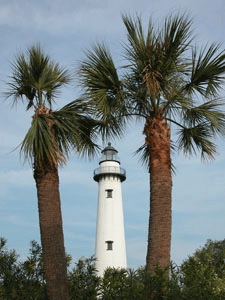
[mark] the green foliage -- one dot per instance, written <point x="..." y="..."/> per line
<point x="203" y="274"/>
<point x="83" y="280"/>
<point x="35" y="78"/>
<point x="21" y="280"/>
<point x="114" y="284"/>
<point x="200" y="277"/>
<point x="103" y="90"/>
<point x="71" y="130"/>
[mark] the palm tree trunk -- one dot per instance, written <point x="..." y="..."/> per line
<point x="52" y="239"/>
<point x="157" y="134"/>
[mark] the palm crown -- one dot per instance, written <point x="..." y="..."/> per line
<point x="160" y="78"/>
<point x="37" y="78"/>
<point x="53" y="134"/>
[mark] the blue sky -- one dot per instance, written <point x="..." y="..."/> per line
<point x="65" y="29"/>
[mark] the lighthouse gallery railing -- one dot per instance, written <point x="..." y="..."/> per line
<point x="111" y="170"/>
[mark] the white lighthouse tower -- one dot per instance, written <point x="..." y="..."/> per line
<point x="110" y="248"/>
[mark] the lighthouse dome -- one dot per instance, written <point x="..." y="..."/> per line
<point x="109" y="153"/>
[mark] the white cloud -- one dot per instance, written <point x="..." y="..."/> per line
<point x="54" y="19"/>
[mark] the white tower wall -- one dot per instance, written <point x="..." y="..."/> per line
<point x="110" y="221"/>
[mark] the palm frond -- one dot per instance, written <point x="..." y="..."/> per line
<point x="136" y="96"/>
<point x="210" y="112"/>
<point x="103" y="89"/>
<point x="199" y="138"/>
<point x="39" y="146"/>
<point x="143" y="154"/>
<point x="208" y="70"/>
<point x="156" y="58"/>
<point x="75" y="130"/>
<point x="53" y="136"/>
<point x="18" y="84"/>
<point x="175" y="39"/>
<point x="174" y="100"/>
<point x="138" y="47"/>
<point x="35" y="78"/>
<point x="143" y="53"/>
<point x="99" y="77"/>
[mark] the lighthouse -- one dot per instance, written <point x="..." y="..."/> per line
<point x="110" y="248"/>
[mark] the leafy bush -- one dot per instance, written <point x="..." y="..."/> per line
<point x="83" y="279"/>
<point x="200" y="277"/>
<point x="21" y="280"/>
<point x="203" y="273"/>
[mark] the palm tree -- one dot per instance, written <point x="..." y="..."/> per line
<point x="168" y="83"/>
<point x="36" y="80"/>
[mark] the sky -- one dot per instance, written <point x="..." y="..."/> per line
<point x="65" y="29"/>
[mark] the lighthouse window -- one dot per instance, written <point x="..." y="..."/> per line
<point x="109" y="245"/>
<point x="109" y="193"/>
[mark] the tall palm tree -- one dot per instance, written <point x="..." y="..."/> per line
<point x="168" y="83"/>
<point x="36" y="80"/>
